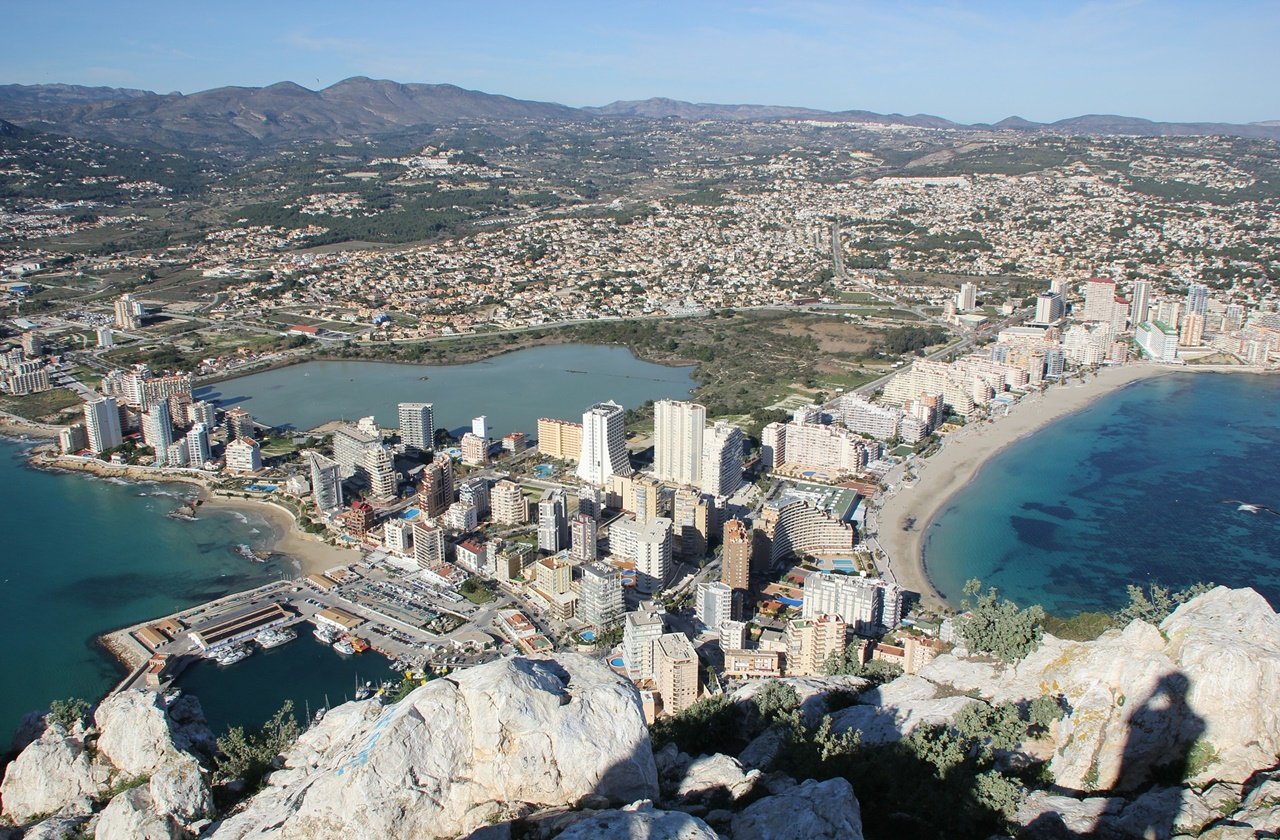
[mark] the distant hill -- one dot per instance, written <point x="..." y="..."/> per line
<point x="248" y="117"/>
<point x="279" y="113"/>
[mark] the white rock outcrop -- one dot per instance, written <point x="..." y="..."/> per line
<point x="892" y="711"/>
<point x="141" y="732"/>
<point x="53" y="772"/>
<point x="459" y="753"/>
<point x="809" y="811"/>
<point x="130" y="816"/>
<point x="1196" y="695"/>
<point x="639" y="825"/>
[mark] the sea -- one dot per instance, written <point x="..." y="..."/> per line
<point x="1171" y="480"/>
<point x="83" y="555"/>
<point x="512" y="390"/>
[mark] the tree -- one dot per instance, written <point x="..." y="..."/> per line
<point x="775" y="701"/>
<point x="1155" y="603"/>
<point x="997" y="626"/>
<point x="249" y="755"/>
<point x="67" y="713"/>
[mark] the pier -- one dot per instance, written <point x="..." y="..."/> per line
<point x="401" y="617"/>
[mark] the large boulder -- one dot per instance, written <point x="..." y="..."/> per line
<point x="131" y="816"/>
<point x="715" y="777"/>
<point x="892" y="711"/>
<point x="639" y="825"/>
<point x="810" y="811"/>
<point x="458" y="753"/>
<point x="53" y="772"/>
<point x="141" y="731"/>
<point x="1179" y="701"/>
<point x="180" y="789"/>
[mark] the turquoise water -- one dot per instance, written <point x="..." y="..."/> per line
<point x="83" y="556"/>
<point x="512" y="390"/>
<point x="1142" y="486"/>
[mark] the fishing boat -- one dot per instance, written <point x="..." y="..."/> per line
<point x="275" y="637"/>
<point x="232" y="655"/>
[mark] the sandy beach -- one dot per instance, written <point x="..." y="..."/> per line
<point x="312" y="554"/>
<point x="904" y="515"/>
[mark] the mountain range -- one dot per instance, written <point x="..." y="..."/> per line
<point x="240" y="117"/>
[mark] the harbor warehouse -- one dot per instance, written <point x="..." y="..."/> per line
<point x="237" y="626"/>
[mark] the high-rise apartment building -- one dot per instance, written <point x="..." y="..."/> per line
<point x="1198" y="299"/>
<point x="475" y="491"/>
<point x="428" y="544"/>
<point x="604" y="444"/>
<point x="559" y="438"/>
<point x="380" y="468"/>
<point x="198" y="453"/>
<point x="552" y="521"/>
<point x="351" y="449"/>
<point x="735" y="556"/>
<point x="653" y="554"/>
<point x="865" y="604"/>
<point x="326" y="482"/>
<point x="713" y="604"/>
<point x="1049" y="308"/>
<point x="693" y="517"/>
<point x="582" y="538"/>
<point x="1099" y="299"/>
<point x="811" y="642"/>
<point x="202" y="412"/>
<point x="1140" y="306"/>
<point x="102" y="424"/>
<point x="475" y="450"/>
<point x="157" y="430"/>
<point x="967" y="297"/>
<point x="509" y="504"/>
<point x="480" y="427"/>
<point x="239" y="423"/>
<point x="243" y="456"/>
<point x="678" y="428"/>
<point x="722" y="459"/>
<point x="417" y="426"/>
<point x="640" y="630"/>
<point x="675" y="666"/>
<point x="1192" y="334"/>
<point x="600" y="602"/>
<point x="435" y="488"/>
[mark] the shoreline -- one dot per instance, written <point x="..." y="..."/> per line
<point x="903" y="517"/>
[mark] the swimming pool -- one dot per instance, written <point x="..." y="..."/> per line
<point x="618" y="662"/>
<point x="261" y="488"/>
<point x="410" y="513"/>
<point x="587" y="635"/>
<point x="844" y="564"/>
<point x="544" y="470"/>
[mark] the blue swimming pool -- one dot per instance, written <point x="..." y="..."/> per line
<point x="587" y="635"/>
<point x="410" y="513"/>
<point x="544" y="470"/>
<point x="617" y="662"/>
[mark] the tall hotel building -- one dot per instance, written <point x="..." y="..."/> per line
<point x="677" y="441"/>
<point x="417" y="426"/>
<point x="102" y="424"/>
<point x="604" y="444"/>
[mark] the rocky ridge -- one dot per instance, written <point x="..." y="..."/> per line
<point x="1170" y="731"/>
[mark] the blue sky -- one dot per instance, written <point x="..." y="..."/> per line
<point x="975" y="61"/>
